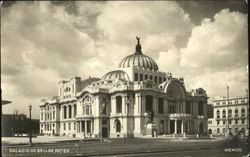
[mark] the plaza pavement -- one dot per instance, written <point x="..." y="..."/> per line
<point x="119" y="146"/>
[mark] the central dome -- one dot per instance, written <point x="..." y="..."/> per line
<point x="138" y="59"/>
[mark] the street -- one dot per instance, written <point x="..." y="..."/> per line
<point x="131" y="147"/>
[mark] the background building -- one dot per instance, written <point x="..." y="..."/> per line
<point x="18" y="124"/>
<point x="233" y="110"/>
<point x="135" y="99"/>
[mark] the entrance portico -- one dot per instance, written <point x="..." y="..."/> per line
<point x="179" y="126"/>
<point x="85" y="128"/>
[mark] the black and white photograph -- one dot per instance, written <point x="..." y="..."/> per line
<point x="125" y="78"/>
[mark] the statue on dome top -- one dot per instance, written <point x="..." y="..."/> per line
<point x="138" y="40"/>
<point x="138" y="46"/>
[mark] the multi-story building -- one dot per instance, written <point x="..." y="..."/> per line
<point x="18" y="124"/>
<point x="231" y="114"/>
<point x="132" y="100"/>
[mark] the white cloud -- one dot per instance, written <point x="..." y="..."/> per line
<point x="216" y="45"/>
<point x="216" y="55"/>
<point x="43" y="44"/>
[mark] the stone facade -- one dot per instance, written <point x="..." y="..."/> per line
<point x="229" y="113"/>
<point x="125" y="102"/>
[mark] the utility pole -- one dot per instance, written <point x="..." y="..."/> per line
<point x="30" y="137"/>
<point x="227" y="127"/>
<point x="248" y="114"/>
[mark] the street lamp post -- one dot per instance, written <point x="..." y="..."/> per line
<point x="227" y="127"/>
<point x="30" y="136"/>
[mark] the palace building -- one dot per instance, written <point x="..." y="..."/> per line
<point x="133" y="100"/>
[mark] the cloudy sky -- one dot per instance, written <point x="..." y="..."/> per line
<point x="45" y="42"/>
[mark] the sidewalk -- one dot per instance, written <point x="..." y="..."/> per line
<point x="35" y="140"/>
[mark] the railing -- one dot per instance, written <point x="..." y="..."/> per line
<point x="179" y="115"/>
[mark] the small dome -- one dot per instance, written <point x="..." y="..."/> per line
<point x="138" y="59"/>
<point x="116" y="74"/>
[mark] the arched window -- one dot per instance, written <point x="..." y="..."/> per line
<point x="118" y="125"/>
<point x="83" y="110"/>
<point x="136" y="77"/>
<point x="230" y="113"/>
<point x="243" y="111"/>
<point x="236" y="112"/>
<point x="148" y="85"/>
<point x="218" y="113"/>
<point x="224" y="114"/>
<point x="149" y="103"/>
<point x="141" y="77"/>
<point x="87" y="110"/>
<point x="118" y="104"/>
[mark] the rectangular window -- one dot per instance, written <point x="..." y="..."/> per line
<point x="151" y="77"/>
<point x="224" y="122"/>
<point x="242" y="101"/>
<point x="136" y="77"/>
<point x="160" y="79"/>
<point x="242" y="121"/>
<point x="218" y="122"/>
<point x="224" y="130"/>
<point x="236" y="121"/>
<point x="53" y="114"/>
<point x="188" y="107"/>
<point x="118" y="104"/>
<point x="104" y="122"/>
<point x="146" y="77"/>
<point x="217" y="103"/>
<point x="141" y="77"/>
<point x="69" y="126"/>
<point x="218" y="130"/>
<point x="230" y="102"/>
<point x="236" y="101"/>
<point x="160" y="106"/>
<point x="88" y="126"/>
<point x="74" y="126"/>
<point x="64" y="126"/>
<point x="200" y="108"/>
<point x="230" y="121"/>
<point x="171" y="109"/>
<point x="155" y="80"/>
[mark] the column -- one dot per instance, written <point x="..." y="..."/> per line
<point x="182" y="127"/>
<point x="139" y="103"/>
<point x="85" y="129"/>
<point x="155" y="105"/>
<point x="90" y="126"/>
<point x="175" y="126"/>
<point x="188" y="127"/>
<point x="123" y="104"/>
<point x="80" y="123"/>
<point x="168" y="130"/>
<point x="143" y="104"/>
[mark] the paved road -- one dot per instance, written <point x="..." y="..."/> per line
<point x="118" y="146"/>
<point x="193" y="153"/>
